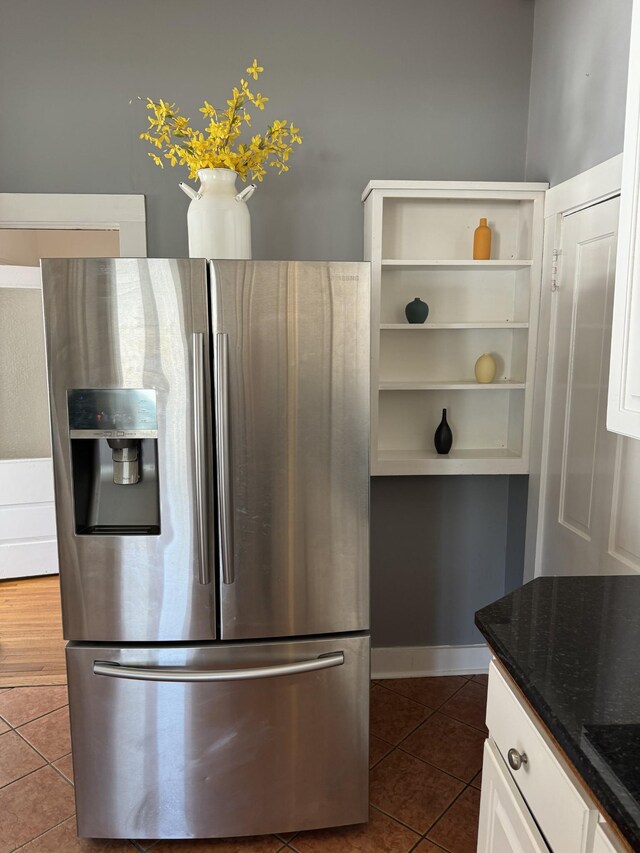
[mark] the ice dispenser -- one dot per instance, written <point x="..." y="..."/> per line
<point x="114" y="459"/>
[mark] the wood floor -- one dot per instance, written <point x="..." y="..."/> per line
<point x="31" y="644"/>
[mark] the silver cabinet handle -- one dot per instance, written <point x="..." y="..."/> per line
<point x="158" y="673"/>
<point x="223" y="448"/>
<point x="516" y="759"/>
<point x="199" y="427"/>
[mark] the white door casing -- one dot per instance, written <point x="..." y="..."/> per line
<point x="624" y="383"/>
<point x="27" y="518"/>
<point x="27" y="512"/>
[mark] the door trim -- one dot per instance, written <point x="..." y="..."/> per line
<point x="122" y="213"/>
<point x="37" y="554"/>
<point x="589" y="188"/>
<point x="583" y="190"/>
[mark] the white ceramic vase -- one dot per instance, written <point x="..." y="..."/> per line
<point x="218" y="219"/>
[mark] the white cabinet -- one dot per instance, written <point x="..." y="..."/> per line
<point x="605" y="840"/>
<point x="532" y="796"/>
<point x="506" y="825"/>
<point x="563" y="812"/>
<point x="623" y="411"/>
<point x="419" y="239"/>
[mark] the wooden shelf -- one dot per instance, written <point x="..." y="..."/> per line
<point x="392" y="263"/>
<point x="451" y="386"/>
<point x="421" y="327"/>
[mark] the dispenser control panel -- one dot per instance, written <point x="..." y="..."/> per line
<point x="112" y="413"/>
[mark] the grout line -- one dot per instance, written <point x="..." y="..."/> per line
<point x="39" y="717"/>
<point x="35" y="749"/>
<point x="20" y="778"/>
<point x="408" y="699"/>
<point x="293" y="836"/>
<point x="397" y="820"/>
<point x="416" y="728"/>
<point x="455" y="800"/>
<point x="442" y="704"/>
<point x="429" y="764"/>
<point x="464" y="722"/>
<point x="440" y="815"/>
<point x="435" y="766"/>
<point x="57" y="769"/>
<point x="35" y="838"/>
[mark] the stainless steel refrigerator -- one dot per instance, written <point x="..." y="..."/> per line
<point x="210" y="428"/>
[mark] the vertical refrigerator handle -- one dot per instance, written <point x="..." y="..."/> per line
<point x="223" y="448"/>
<point x="199" y="443"/>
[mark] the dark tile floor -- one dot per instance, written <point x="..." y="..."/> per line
<point x="426" y="753"/>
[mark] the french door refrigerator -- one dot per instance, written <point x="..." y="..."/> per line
<point x="210" y="446"/>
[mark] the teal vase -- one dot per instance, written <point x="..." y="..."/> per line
<point x="416" y="311"/>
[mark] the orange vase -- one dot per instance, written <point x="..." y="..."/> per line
<point x="482" y="242"/>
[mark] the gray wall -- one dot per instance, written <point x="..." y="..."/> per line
<point x="424" y="89"/>
<point x="578" y="86"/>
<point x="406" y="89"/>
<point x="439" y="552"/>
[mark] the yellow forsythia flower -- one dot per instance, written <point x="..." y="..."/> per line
<point x="218" y="146"/>
<point x="254" y="69"/>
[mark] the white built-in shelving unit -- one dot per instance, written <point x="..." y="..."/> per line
<point x="419" y="239"/>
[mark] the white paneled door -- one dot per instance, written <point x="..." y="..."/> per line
<point x="27" y="512"/>
<point x="592" y="476"/>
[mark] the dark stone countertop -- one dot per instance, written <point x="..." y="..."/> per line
<point x="572" y="645"/>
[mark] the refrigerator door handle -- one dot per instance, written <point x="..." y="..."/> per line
<point x="223" y="449"/>
<point x="199" y="432"/>
<point x="158" y="673"/>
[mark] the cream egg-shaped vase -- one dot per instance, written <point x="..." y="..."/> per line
<point x="485" y="369"/>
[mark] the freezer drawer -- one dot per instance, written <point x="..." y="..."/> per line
<point x="248" y="739"/>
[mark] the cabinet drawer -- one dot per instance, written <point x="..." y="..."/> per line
<point x="506" y="825"/>
<point x="566" y="817"/>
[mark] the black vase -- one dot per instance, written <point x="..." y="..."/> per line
<point x="443" y="438"/>
<point x="416" y="311"/>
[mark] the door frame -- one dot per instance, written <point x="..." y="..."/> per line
<point x="596" y="185"/>
<point x="123" y="213"/>
<point x="32" y="508"/>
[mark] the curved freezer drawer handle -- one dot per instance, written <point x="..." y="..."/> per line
<point x="158" y="673"/>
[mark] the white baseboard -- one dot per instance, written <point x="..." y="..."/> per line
<point x="418" y="661"/>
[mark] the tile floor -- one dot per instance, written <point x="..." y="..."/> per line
<point x="426" y="753"/>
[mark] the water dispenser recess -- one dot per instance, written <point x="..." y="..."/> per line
<point x="114" y="459"/>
